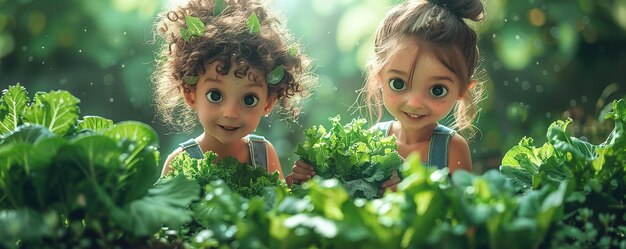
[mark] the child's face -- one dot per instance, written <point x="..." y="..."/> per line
<point x="425" y="98"/>
<point x="229" y="107"/>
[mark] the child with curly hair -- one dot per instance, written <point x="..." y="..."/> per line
<point x="225" y="64"/>
<point x="424" y="63"/>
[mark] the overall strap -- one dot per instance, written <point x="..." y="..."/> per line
<point x="383" y="127"/>
<point x="438" y="152"/>
<point x="258" y="151"/>
<point x="192" y="148"/>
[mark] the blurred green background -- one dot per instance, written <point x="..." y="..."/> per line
<point x="542" y="60"/>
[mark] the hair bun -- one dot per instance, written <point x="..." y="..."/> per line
<point x="469" y="9"/>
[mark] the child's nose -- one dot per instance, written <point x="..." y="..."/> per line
<point x="415" y="99"/>
<point x="230" y="110"/>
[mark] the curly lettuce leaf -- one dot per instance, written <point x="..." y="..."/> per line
<point x="12" y="104"/>
<point x="240" y="177"/>
<point x="55" y="110"/>
<point x="355" y="155"/>
<point x="93" y="123"/>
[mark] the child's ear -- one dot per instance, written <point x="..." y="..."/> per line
<point x="470" y="86"/>
<point x="190" y="97"/>
<point x="269" y="105"/>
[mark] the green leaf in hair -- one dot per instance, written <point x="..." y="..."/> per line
<point x="191" y="80"/>
<point x="185" y="34"/>
<point x="219" y="7"/>
<point x="195" y="26"/>
<point x="293" y="51"/>
<point x="253" y="24"/>
<point x="276" y="75"/>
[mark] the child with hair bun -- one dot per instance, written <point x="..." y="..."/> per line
<point x="423" y="68"/>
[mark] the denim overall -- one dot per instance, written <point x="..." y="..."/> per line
<point x="258" y="152"/>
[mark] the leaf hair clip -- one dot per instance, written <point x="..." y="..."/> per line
<point x="195" y="27"/>
<point x="276" y="75"/>
<point x="218" y="7"/>
<point x="191" y="80"/>
<point x="253" y="24"/>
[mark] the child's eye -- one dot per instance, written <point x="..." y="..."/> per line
<point x="439" y="91"/>
<point x="397" y="84"/>
<point x="250" y="100"/>
<point x="214" y="96"/>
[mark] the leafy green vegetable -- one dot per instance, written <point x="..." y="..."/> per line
<point x="362" y="159"/>
<point x="56" y="110"/>
<point x="240" y="177"/>
<point x="596" y="177"/>
<point x="164" y="204"/>
<point x="428" y="211"/>
<point x="93" y="123"/>
<point x="229" y="186"/>
<point x="12" y="104"/>
<point x="92" y="181"/>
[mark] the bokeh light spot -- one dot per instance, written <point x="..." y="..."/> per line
<point x="537" y="17"/>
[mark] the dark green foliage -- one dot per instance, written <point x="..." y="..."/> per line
<point x="596" y="175"/>
<point x="75" y="183"/>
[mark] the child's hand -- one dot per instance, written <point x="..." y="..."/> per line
<point x="301" y="172"/>
<point x="391" y="183"/>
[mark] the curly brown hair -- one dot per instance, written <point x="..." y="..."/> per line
<point x="226" y="39"/>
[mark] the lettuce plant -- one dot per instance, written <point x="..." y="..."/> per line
<point x="230" y="189"/>
<point x="361" y="159"/>
<point x="240" y="177"/>
<point x="596" y="176"/>
<point x="87" y="183"/>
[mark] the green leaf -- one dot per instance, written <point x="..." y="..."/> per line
<point x="191" y="80"/>
<point x="240" y="177"/>
<point x="195" y="26"/>
<point x="253" y="25"/>
<point x="361" y="188"/>
<point x="185" y="34"/>
<point x="94" y="123"/>
<point x="55" y="110"/>
<point x="92" y="153"/>
<point x="139" y="143"/>
<point x="350" y="152"/>
<point x="293" y="51"/>
<point x="219" y="7"/>
<point x="27" y="133"/>
<point x="138" y="132"/>
<point x="164" y="205"/>
<point x="12" y="104"/>
<point x="276" y="75"/>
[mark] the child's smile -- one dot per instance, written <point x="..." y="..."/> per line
<point x="229" y="128"/>
<point x="414" y="116"/>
